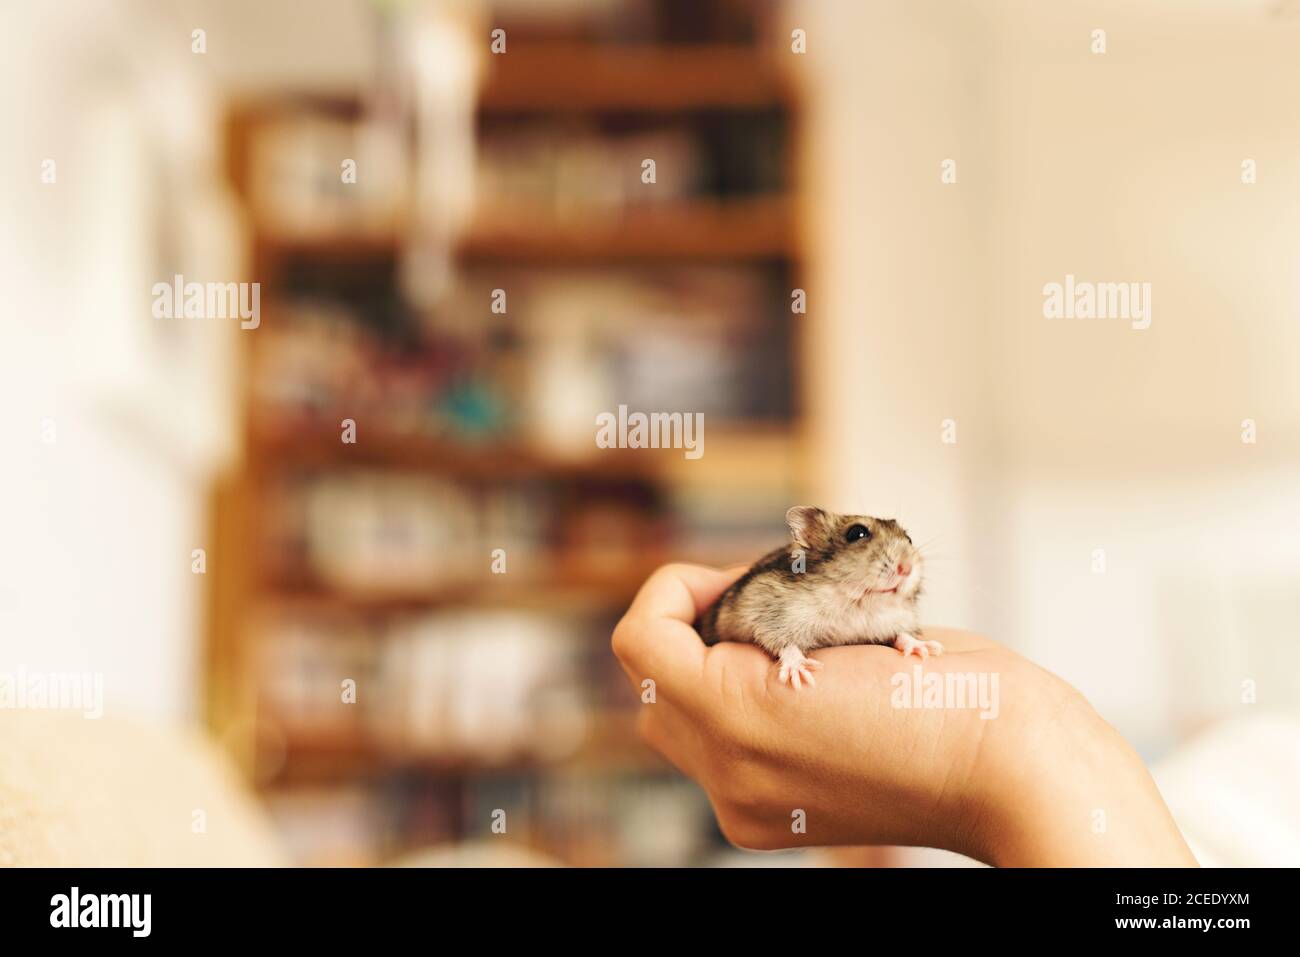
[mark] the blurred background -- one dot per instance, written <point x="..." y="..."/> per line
<point x="840" y="262"/>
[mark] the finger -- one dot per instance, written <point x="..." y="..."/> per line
<point x="664" y="650"/>
<point x="682" y="591"/>
<point x="656" y="639"/>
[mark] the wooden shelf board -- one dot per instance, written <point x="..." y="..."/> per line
<point x="759" y="228"/>
<point x="612" y="746"/>
<point x="614" y="587"/>
<point x="310" y="444"/>
<point x="330" y="244"/>
<point x="581" y="77"/>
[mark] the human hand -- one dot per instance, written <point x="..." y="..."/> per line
<point x="1028" y="785"/>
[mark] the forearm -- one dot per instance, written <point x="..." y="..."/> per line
<point x="1081" y="797"/>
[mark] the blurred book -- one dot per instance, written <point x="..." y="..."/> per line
<point x="315" y="174"/>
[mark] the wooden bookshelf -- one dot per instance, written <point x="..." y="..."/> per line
<point x="540" y="81"/>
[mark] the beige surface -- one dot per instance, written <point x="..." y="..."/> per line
<point x="80" y="792"/>
<point x="1235" y="791"/>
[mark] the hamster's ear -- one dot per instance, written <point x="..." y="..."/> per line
<point x="808" y="525"/>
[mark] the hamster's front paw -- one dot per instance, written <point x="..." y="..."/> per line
<point x="908" y="645"/>
<point x="795" y="668"/>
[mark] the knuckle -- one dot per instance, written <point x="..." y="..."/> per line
<point x="744" y="832"/>
<point x="671" y="571"/>
<point x="733" y="826"/>
<point x="624" y="639"/>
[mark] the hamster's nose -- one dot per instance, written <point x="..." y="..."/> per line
<point x="904" y="569"/>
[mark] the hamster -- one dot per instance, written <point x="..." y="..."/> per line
<point x="844" y="580"/>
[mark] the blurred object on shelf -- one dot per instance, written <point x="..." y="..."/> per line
<point x="438" y="45"/>
<point x="323" y="362"/>
<point x="452" y="688"/>
<point x="370" y="531"/>
<point x="661" y="823"/>
<point x="484" y="853"/>
<point x="740" y="524"/>
<point x="572" y="343"/>
<point x="570" y="172"/>
<point x="486" y="686"/>
<point x="575" y="170"/>
<point x="375" y="531"/>
<point x="302" y="667"/>
<point x="332" y="827"/>
<point x="705" y="339"/>
<point x="303" y="185"/>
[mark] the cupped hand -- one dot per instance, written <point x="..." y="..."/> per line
<point x="1021" y="773"/>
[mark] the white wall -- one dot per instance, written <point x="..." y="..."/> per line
<point x="99" y="523"/>
<point x="896" y="266"/>
<point x="1127" y="167"/>
<point x="1073" y="435"/>
<point x="97" y="528"/>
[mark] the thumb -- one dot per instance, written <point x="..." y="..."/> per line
<point x="655" y="639"/>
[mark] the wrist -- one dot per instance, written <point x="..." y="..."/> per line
<point x="1074" y="794"/>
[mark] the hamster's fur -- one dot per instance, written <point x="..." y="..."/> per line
<point x="843" y="580"/>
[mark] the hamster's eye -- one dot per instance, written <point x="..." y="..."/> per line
<point x="856" y="532"/>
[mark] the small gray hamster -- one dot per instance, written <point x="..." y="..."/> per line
<point x="843" y="580"/>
